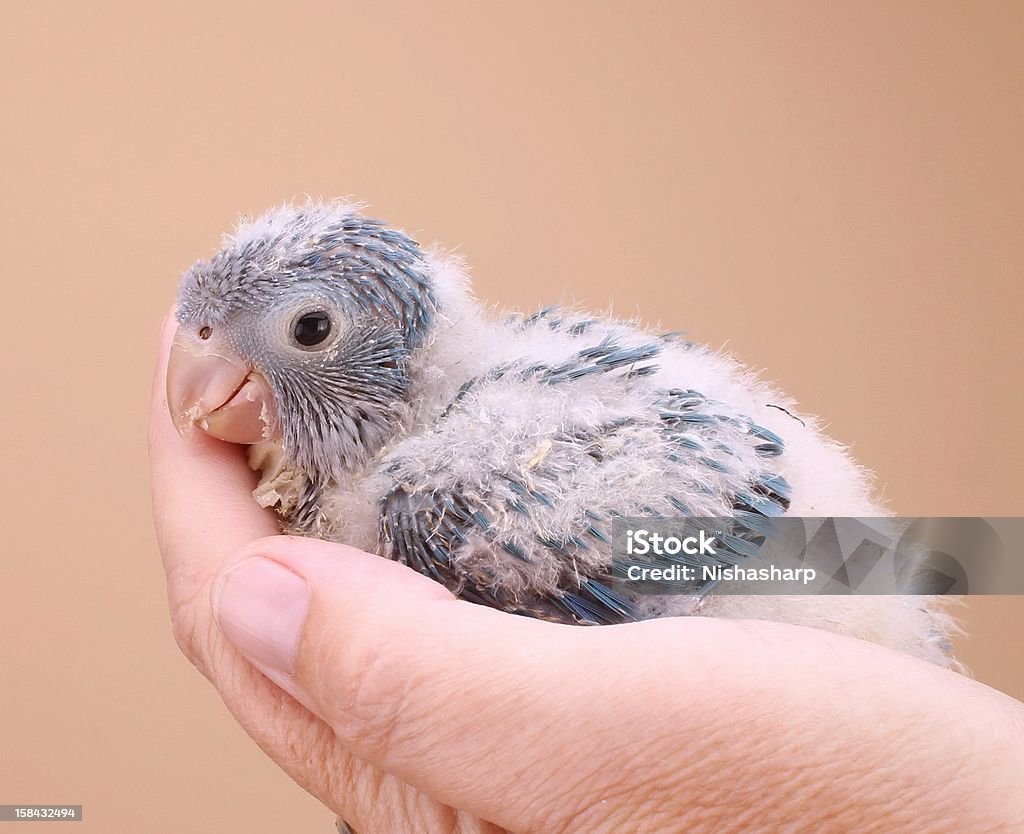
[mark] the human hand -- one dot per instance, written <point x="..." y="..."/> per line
<point x="406" y="710"/>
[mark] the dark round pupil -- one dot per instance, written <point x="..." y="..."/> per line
<point x="312" y="329"/>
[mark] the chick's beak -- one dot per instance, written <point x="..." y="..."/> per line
<point x="210" y="386"/>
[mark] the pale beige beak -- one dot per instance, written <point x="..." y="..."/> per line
<point x="210" y="386"/>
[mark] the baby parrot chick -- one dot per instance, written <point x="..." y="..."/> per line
<point x="385" y="407"/>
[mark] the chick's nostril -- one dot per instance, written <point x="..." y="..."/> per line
<point x="205" y="333"/>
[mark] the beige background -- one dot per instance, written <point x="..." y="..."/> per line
<point x="835" y="191"/>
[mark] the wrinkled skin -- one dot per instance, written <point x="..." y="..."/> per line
<point x="405" y="704"/>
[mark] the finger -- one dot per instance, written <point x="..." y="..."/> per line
<point x="202" y="496"/>
<point x="461" y="701"/>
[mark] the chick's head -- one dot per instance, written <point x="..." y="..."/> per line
<point x="299" y="330"/>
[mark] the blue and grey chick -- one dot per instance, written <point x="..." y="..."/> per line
<point x="388" y="409"/>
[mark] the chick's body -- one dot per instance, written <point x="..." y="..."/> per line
<point x="495" y="451"/>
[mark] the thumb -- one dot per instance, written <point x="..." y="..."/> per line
<point x="455" y="699"/>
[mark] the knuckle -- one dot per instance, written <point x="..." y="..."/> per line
<point x="190" y="629"/>
<point x="186" y="633"/>
<point x="365" y="687"/>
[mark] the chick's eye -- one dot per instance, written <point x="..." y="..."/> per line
<point x="312" y="329"/>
